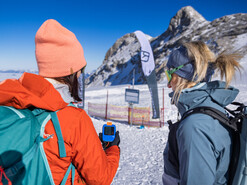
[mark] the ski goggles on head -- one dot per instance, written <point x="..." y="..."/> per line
<point x="172" y="70"/>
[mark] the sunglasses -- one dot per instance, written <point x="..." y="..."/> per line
<point x="172" y="70"/>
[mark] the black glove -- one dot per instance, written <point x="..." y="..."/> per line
<point x="106" y="145"/>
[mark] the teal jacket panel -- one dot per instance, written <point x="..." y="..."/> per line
<point x="204" y="144"/>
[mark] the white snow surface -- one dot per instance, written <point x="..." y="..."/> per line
<point x="141" y="159"/>
<point x="240" y="41"/>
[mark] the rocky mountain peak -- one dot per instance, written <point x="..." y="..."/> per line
<point x="222" y="34"/>
<point x="123" y="41"/>
<point x="184" y="19"/>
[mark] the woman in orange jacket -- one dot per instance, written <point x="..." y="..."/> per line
<point x="60" y="59"/>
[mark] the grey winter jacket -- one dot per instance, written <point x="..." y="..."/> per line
<point x="204" y="144"/>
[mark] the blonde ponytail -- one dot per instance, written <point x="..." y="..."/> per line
<point x="199" y="52"/>
<point x="227" y="64"/>
<point x="201" y="57"/>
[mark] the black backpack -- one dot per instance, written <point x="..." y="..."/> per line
<point x="236" y="120"/>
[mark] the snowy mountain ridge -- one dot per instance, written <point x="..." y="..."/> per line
<point x="19" y="71"/>
<point x="228" y="33"/>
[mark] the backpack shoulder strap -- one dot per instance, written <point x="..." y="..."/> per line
<point x="62" y="151"/>
<point x="234" y="122"/>
<point x="61" y="146"/>
<point x="72" y="169"/>
<point x="216" y="114"/>
<point x="55" y="121"/>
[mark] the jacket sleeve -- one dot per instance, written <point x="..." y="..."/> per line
<point x="197" y="155"/>
<point x="94" y="164"/>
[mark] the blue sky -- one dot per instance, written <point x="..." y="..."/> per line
<point x="96" y="23"/>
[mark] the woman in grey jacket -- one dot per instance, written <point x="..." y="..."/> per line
<point x="204" y="144"/>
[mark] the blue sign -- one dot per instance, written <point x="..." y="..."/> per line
<point x="132" y="96"/>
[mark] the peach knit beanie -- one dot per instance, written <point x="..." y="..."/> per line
<point x="58" y="52"/>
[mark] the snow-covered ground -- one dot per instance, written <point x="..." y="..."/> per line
<point x="141" y="160"/>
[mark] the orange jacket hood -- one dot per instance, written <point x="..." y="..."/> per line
<point x="30" y="90"/>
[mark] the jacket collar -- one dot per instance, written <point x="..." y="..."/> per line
<point x="213" y="94"/>
<point x="30" y="90"/>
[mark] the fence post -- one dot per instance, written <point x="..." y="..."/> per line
<point x="132" y="109"/>
<point x="163" y="109"/>
<point x="129" y="114"/>
<point x="149" y="117"/>
<point x="106" y="106"/>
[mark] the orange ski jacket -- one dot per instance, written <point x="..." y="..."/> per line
<point x="82" y="144"/>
